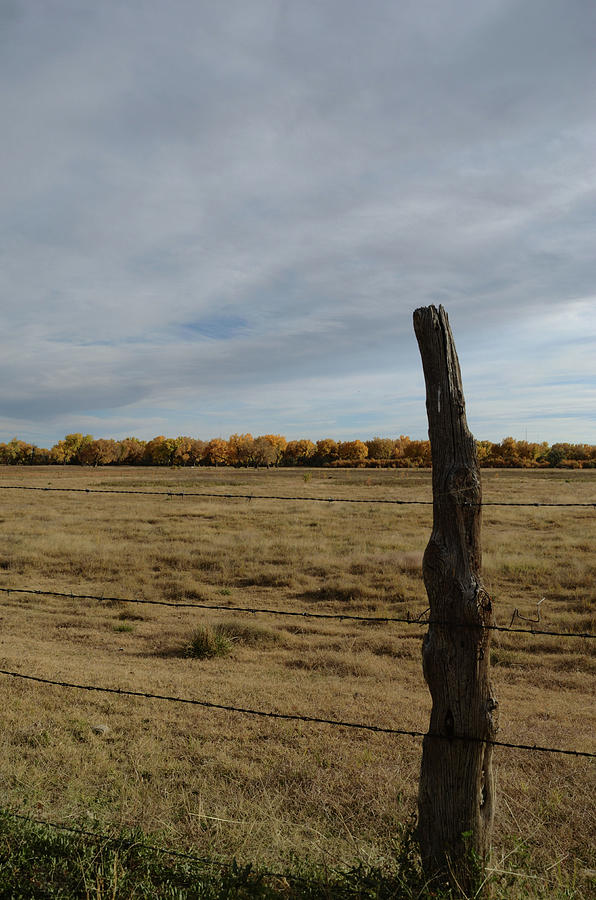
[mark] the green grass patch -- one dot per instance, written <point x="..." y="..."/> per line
<point x="44" y="861"/>
<point x="207" y="642"/>
<point x="39" y="861"/>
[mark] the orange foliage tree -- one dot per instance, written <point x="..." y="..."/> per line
<point x="132" y="451"/>
<point x="264" y="452"/>
<point x="240" y="449"/>
<point x="67" y="451"/>
<point x="352" y="450"/>
<point x="18" y="453"/>
<point x="216" y="452"/>
<point x="272" y="449"/>
<point x="327" y="451"/>
<point x="160" y="451"/>
<point x="99" y="452"/>
<point x="278" y="444"/>
<point x="297" y="453"/>
<point x="188" y="451"/>
<point x="380" y="448"/>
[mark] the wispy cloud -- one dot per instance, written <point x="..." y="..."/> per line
<point x="220" y="219"/>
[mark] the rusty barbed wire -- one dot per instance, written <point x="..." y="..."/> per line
<point x="129" y="843"/>
<point x="296" y="717"/>
<point x="132" y="843"/>
<point x="233" y="496"/>
<point x="518" y="615"/>
<point x="408" y="619"/>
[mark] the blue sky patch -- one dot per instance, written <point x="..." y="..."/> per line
<point x="216" y="327"/>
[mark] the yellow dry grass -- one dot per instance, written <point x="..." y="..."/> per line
<point x="263" y="790"/>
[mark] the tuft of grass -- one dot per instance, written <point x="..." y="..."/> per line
<point x="128" y="616"/>
<point x="247" y="633"/>
<point x="41" y="861"/>
<point x="207" y="643"/>
<point x="266" y="791"/>
<point x="330" y="664"/>
<point x="38" y="861"/>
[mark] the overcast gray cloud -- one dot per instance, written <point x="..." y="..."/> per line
<point x="219" y="217"/>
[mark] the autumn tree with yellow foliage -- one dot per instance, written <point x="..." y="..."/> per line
<point x="273" y="450"/>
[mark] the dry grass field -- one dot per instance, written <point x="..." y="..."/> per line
<point x="226" y="784"/>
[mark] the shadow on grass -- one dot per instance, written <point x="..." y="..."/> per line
<point x="40" y="861"/>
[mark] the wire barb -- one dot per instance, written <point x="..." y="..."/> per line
<point x="518" y="615"/>
<point x="408" y="619"/>
<point x="294" y="717"/>
<point x="212" y="494"/>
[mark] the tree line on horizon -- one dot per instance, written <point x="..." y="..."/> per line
<point x="269" y="450"/>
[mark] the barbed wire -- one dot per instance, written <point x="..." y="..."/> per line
<point x="132" y="843"/>
<point x="296" y="717"/>
<point x="409" y="619"/>
<point x="529" y="503"/>
<point x="235" y="496"/>
<point x="128" y="842"/>
<point x="210" y="705"/>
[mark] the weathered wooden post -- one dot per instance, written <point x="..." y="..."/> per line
<point x="456" y="791"/>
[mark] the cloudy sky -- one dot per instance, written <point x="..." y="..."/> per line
<point x="219" y="217"/>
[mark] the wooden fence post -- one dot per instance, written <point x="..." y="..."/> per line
<point x="456" y="790"/>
